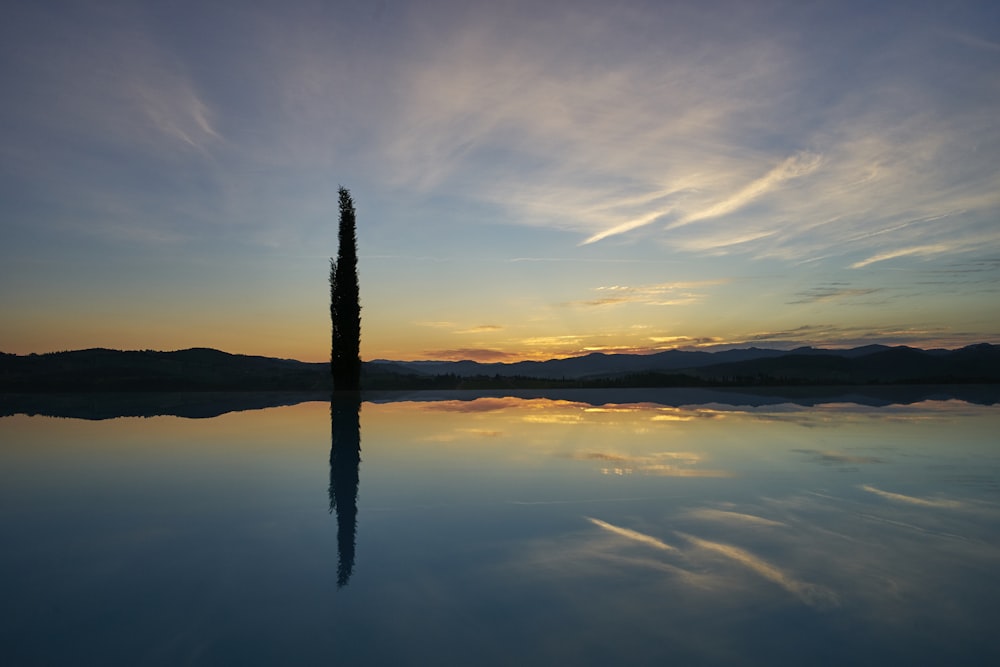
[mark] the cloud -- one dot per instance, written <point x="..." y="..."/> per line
<point x="912" y="500"/>
<point x="976" y="42"/>
<point x="627" y="226"/>
<point x="634" y="535"/>
<point x="685" y="341"/>
<point x="922" y="250"/>
<point x="795" y="166"/>
<point x="553" y="341"/>
<point x="845" y="336"/>
<point x="483" y="328"/>
<point x="838" y="458"/>
<point x="542" y="123"/>
<point x="145" y="102"/>
<point x="863" y="163"/>
<point x="834" y="292"/>
<point x="471" y="354"/>
<point x="476" y="405"/>
<point x="844" y="180"/>
<point x="811" y="594"/>
<point x="666" y="470"/>
<point x="554" y="418"/>
<point x="461" y="434"/>
<point x="601" y="456"/>
<point x="661" y="294"/>
<point x="724" y="240"/>
<point x="654" y="464"/>
<point x="483" y="432"/>
<point x="440" y="324"/>
<point x="738" y="518"/>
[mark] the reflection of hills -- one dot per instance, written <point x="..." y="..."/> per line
<point x="193" y="405"/>
<point x="345" y="464"/>
<point x="874" y="396"/>
<point x="197" y="405"/>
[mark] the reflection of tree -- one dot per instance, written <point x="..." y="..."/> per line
<point x="345" y="462"/>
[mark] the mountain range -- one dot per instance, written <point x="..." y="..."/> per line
<point x="870" y="363"/>
<point x="203" y="369"/>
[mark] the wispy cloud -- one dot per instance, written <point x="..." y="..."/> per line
<point x="834" y="292"/>
<point x="601" y="456"/>
<point x="662" y="294"/>
<point x="656" y="464"/>
<point x="685" y="341"/>
<point x="482" y="328"/>
<point x="462" y="434"/>
<point x="627" y="226"/>
<point x="839" y="458"/>
<point x="438" y="324"/>
<point x="921" y="251"/>
<point x="553" y="341"/>
<point x="913" y="500"/>
<point x="811" y="594"/>
<point x="794" y="166"/>
<point x="843" y="336"/>
<point x="737" y="518"/>
<point x="634" y="535"/>
<point x="592" y="163"/>
<point x="471" y="354"/>
<point x="554" y="418"/>
<point x="607" y="170"/>
<point x="477" y="405"/>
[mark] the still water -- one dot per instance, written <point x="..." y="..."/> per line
<point x="451" y="529"/>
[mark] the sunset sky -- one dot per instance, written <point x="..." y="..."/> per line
<point x="532" y="179"/>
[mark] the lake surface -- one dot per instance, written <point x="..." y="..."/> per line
<point x="494" y="530"/>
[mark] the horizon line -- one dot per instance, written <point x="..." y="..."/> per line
<point x="708" y="349"/>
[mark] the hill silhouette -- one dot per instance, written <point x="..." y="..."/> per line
<point x="196" y="369"/>
<point x="203" y="369"/>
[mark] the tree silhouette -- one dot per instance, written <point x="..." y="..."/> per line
<point x="345" y="303"/>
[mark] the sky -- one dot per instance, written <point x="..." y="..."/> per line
<point x="532" y="179"/>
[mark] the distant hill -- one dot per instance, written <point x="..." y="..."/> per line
<point x="202" y="369"/>
<point x="897" y="365"/>
<point x="591" y="365"/>
<point x="871" y="363"/>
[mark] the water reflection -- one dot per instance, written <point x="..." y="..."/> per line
<point x="345" y="463"/>
<point x="506" y="531"/>
<point x="200" y="405"/>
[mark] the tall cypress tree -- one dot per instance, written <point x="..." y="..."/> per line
<point x="345" y="303"/>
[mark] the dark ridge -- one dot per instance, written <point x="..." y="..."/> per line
<point x="203" y="369"/>
<point x="196" y="369"/>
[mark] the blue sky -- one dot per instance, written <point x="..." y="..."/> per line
<point x="531" y="179"/>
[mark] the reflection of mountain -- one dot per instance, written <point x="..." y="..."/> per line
<point x="110" y="405"/>
<point x="875" y="396"/>
<point x="345" y="463"/>
<point x="196" y="405"/>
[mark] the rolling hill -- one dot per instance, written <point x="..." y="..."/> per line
<point x="203" y="369"/>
